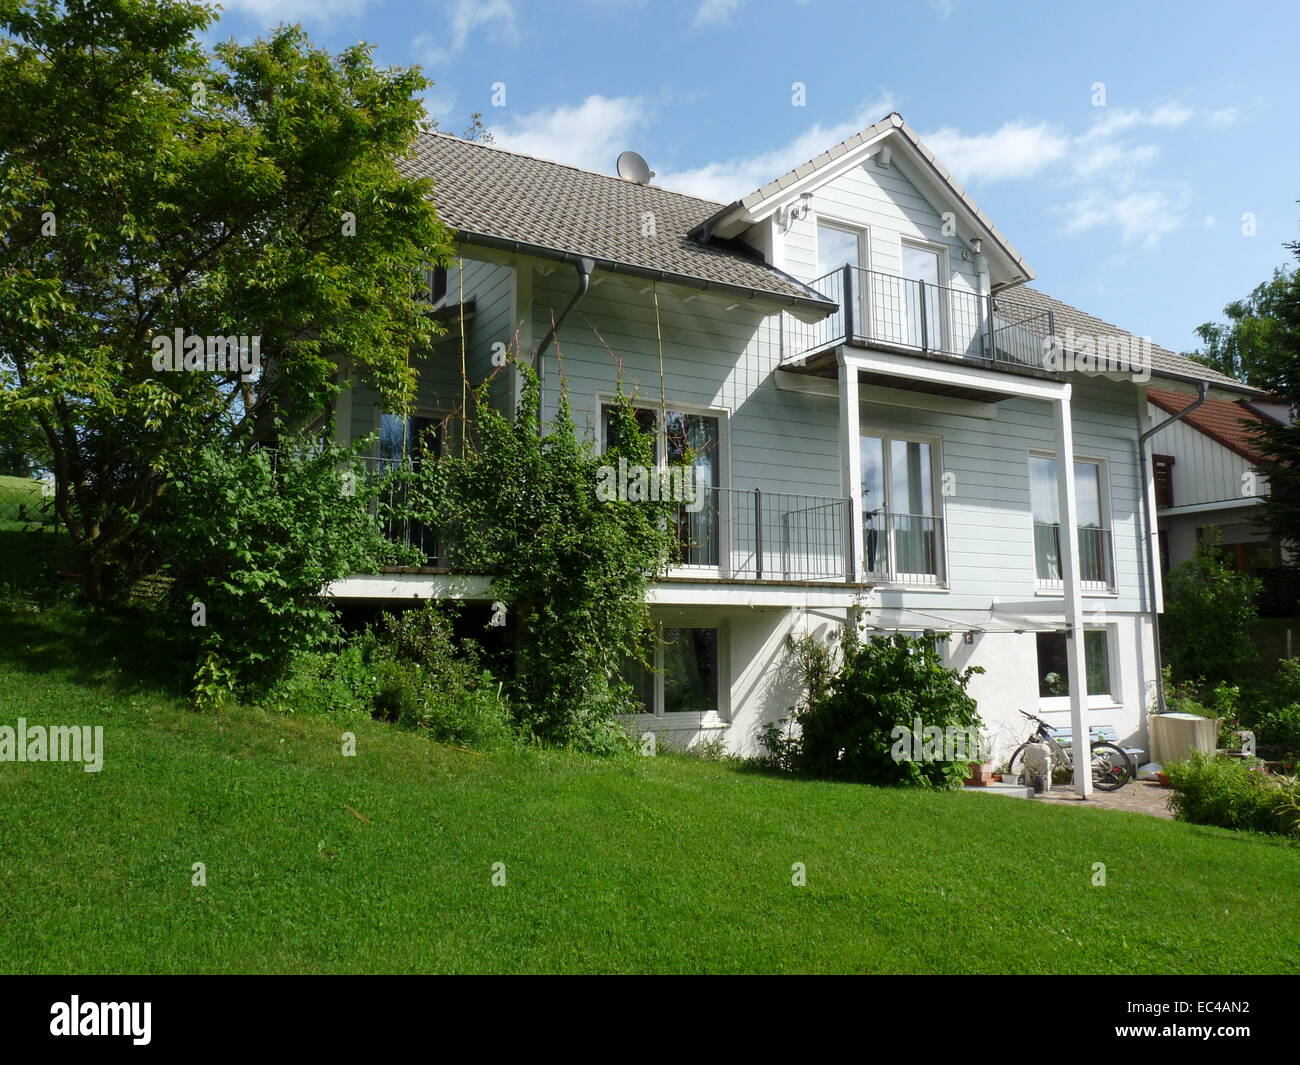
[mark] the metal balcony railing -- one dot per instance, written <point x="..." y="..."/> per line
<point x="1095" y="555"/>
<point x="758" y="535"/>
<point x="902" y="548"/>
<point x="916" y="316"/>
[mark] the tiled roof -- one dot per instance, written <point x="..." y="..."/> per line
<point x="489" y="195"/>
<point x="1226" y="423"/>
<point x="1164" y="363"/>
<point x="482" y="191"/>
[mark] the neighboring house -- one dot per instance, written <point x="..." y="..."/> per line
<point x="1206" y="478"/>
<point x="852" y="352"/>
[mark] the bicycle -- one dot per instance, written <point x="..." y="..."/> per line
<point x="1112" y="768"/>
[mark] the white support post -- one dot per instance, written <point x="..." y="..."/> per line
<point x="1076" y="660"/>
<point x="851" y="463"/>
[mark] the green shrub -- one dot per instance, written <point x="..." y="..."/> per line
<point x="425" y="678"/>
<point x="1280" y="728"/>
<point x="883" y="684"/>
<point x="1233" y="793"/>
<point x="1209" y="614"/>
<point x="328" y="683"/>
<point x="256" y="537"/>
<point x="570" y="567"/>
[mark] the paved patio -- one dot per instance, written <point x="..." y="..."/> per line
<point x="1139" y="797"/>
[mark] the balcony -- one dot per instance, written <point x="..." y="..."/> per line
<point x="914" y="317"/>
<point x="730" y="534"/>
<point x="754" y="535"/>
<point x="903" y="548"/>
<point x="1096" y="558"/>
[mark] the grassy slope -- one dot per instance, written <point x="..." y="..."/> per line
<point x="665" y="864"/>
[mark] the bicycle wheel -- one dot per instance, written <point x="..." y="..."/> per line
<point x="1016" y="766"/>
<point x="1111" y="767"/>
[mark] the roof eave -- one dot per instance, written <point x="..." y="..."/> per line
<point x="814" y="302"/>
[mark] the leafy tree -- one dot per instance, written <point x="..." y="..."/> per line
<point x="254" y="539"/>
<point x="1209" y="611"/>
<point x="1252" y="345"/>
<point x="148" y="187"/>
<point x="1260" y="344"/>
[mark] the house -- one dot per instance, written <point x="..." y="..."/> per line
<point x="888" y="424"/>
<point x="1207" y="480"/>
<point x="1206" y="477"/>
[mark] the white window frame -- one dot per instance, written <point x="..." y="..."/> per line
<point x="888" y="436"/>
<point x="690" y="719"/>
<point x="723" y="416"/>
<point x="945" y="284"/>
<point x="863" y="233"/>
<point x="1090" y="588"/>
<point x="1112" y="699"/>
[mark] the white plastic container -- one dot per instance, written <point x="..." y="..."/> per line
<point x="1175" y="736"/>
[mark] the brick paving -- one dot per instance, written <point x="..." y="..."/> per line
<point x="1138" y="797"/>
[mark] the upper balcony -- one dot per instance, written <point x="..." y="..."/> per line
<point x="898" y="314"/>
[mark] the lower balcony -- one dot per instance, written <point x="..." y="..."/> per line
<point x="728" y="535"/>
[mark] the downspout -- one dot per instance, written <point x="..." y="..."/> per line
<point x="584" y="266"/>
<point x="1149" y="519"/>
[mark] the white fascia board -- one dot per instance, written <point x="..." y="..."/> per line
<point x="412" y="586"/>
<point x="921" y="369"/>
<point x="731" y="594"/>
<point x="1207" y="508"/>
<point x="813" y="180"/>
<point x="892" y="397"/>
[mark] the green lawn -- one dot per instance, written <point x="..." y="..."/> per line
<point x="663" y="864"/>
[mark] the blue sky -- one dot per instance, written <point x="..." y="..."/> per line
<point x="1132" y="210"/>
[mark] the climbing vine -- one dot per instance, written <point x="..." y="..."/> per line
<point x="569" y="568"/>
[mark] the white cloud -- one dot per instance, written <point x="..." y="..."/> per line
<point x="463" y="18"/>
<point x="1014" y="150"/>
<point x="715" y="12"/>
<point x="590" y="135"/>
<point x="1107" y="165"/>
<point x="727" y="180"/>
<point x="1120" y="120"/>
<point x="1142" y="216"/>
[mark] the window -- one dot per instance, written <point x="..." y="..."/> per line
<point x="1094" y="533"/>
<point x="1163" y="468"/>
<point x="435" y="281"/>
<point x="902" y="529"/>
<point x="677" y="434"/>
<point x="1053" y="672"/>
<point x="410" y="440"/>
<point x="838" y="246"/>
<point x="684" y="678"/>
<point x="922" y="295"/>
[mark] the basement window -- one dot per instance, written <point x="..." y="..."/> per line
<point x="684" y="679"/>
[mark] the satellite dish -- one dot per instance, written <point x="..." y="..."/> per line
<point x="631" y="167"/>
